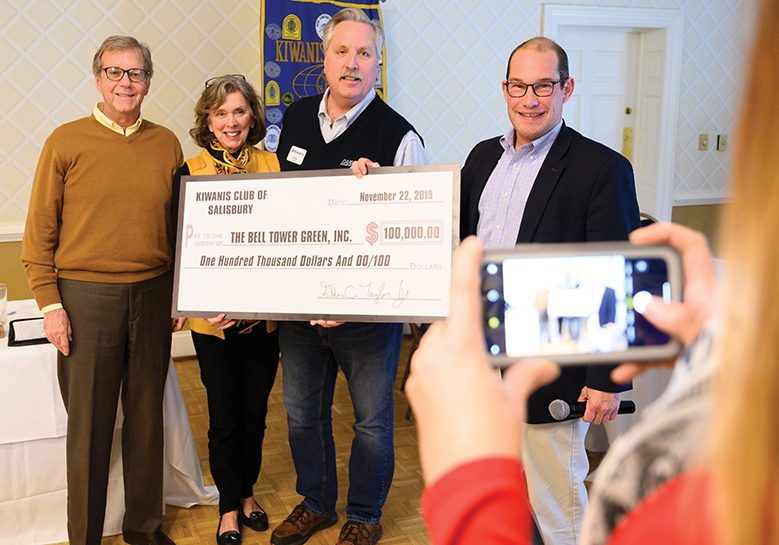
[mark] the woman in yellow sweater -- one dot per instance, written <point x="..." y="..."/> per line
<point x="237" y="364"/>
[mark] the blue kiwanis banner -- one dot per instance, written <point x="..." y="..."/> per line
<point x="292" y="56"/>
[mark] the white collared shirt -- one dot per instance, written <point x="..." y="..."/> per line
<point x="107" y="122"/>
<point x="502" y="203"/>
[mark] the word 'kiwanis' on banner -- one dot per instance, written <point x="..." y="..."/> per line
<point x="291" y="51"/>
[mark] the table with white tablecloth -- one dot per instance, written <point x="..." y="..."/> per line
<point x="33" y="424"/>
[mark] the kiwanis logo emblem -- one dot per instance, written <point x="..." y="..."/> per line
<point x="291" y="27"/>
<point x="272" y="94"/>
<point x="320" y="23"/>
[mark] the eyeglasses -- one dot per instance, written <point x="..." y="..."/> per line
<point x="114" y="73"/>
<point x="210" y="82"/>
<point x="540" y="88"/>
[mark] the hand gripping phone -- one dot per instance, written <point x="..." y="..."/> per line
<point x="577" y="303"/>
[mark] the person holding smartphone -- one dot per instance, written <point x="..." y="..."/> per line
<point x="729" y="492"/>
<point x="469" y="450"/>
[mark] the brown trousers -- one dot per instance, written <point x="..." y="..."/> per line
<point x="121" y="341"/>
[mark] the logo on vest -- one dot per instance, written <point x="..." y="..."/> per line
<point x="347" y="163"/>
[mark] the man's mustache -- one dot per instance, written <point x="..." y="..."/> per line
<point x="351" y="74"/>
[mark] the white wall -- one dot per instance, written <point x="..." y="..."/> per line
<point x="46" y="50"/>
<point x="446" y="59"/>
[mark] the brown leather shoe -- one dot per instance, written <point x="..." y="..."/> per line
<point x="359" y="533"/>
<point x="300" y="525"/>
<point x="140" y="538"/>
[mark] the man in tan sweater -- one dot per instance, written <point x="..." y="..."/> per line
<point x="97" y="253"/>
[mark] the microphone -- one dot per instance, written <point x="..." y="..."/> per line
<point x="562" y="410"/>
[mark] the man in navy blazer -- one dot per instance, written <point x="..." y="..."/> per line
<point x="542" y="181"/>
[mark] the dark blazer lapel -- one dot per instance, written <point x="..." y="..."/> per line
<point x="487" y="165"/>
<point x="491" y="159"/>
<point x="550" y="173"/>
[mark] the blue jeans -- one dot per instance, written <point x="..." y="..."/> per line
<point x="368" y="355"/>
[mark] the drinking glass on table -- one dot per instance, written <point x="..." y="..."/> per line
<point x="3" y="310"/>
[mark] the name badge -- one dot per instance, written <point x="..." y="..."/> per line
<point x="296" y="155"/>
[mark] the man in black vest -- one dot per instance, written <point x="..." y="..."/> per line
<point x="542" y="181"/>
<point x="329" y="131"/>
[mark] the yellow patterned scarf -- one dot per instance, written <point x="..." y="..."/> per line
<point x="226" y="163"/>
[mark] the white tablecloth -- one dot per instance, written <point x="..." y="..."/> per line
<point x="33" y="424"/>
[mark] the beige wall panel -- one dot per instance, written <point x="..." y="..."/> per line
<point x="446" y="59"/>
<point x="12" y="272"/>
<point x="703" y="218"/>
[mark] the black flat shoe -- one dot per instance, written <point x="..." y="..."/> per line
<point x="231" y="537"/>
<point x="256" y="520"/>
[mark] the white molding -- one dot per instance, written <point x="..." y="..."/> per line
<point x="709" y="197"/>
<point x="556" y="16"/>
<point x="181" y="345"/>
<point x="11" y="232"/>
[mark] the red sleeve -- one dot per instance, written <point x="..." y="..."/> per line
<point x="482" y="502"/>
<point x="677" y="513"/>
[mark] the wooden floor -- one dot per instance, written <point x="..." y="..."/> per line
<point x="275" y="489"/>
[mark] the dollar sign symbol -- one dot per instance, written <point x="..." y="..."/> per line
<point x="373" y="236"/>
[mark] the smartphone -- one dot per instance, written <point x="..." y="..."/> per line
<point x="577" y="303"/>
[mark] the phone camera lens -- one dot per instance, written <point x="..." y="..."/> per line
<point x="641" y="265"/>
<point x="495" y="349"/>
<point x="493" y="295"/>
<point x="492" y="268"/>
<point x="641" y="300"/>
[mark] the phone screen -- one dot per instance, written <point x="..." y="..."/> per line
<point x="563" y="305"/>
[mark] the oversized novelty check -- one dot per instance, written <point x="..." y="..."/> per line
<point x="318" y="245"/>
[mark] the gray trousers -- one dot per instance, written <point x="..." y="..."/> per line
<point x="556" y="464"/>
<point x="121" y="341"/>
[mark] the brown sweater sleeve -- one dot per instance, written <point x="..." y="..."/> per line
<point x="41" y="231"/>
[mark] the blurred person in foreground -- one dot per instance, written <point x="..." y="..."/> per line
<point x="97" y="251"/>
<point x="455" y="506"/>
<point x="727" y="490"/>
<point x="237" y="364"/>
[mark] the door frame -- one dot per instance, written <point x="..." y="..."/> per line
<point x="672" y="21"/>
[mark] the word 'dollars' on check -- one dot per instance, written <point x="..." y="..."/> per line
<point x="318" y="245"/>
